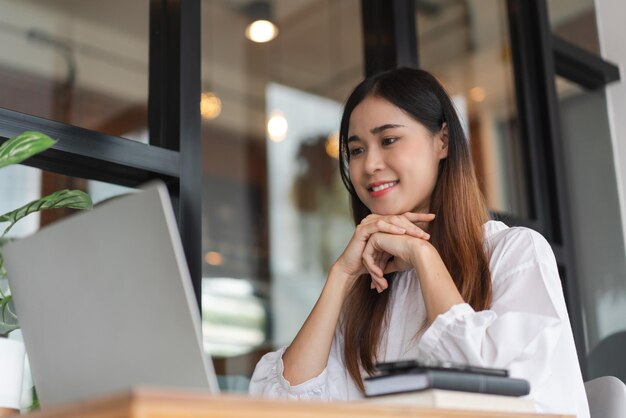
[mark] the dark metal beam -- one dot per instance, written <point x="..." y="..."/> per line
<point x="164" y="77"/>
<point x="190" y="220"/>
<point x="92" y="155"/>
<point x="389" y="34"/>
<point x="538" y="111"/>
<point x="582" y="67"/>
<point x="174" y="114"/>
<point x="530" y="94"/>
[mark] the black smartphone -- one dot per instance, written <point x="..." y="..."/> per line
<point x="408" y="365"/>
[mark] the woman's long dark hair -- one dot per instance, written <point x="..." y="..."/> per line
<point x="456" y="201"/>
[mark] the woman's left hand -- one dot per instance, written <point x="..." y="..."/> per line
<point x="437" y="286"/>
<point x="386" y="253"/>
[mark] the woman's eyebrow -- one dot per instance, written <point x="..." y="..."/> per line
<point x="381" y="128"/>
<point x="376" y="130"/>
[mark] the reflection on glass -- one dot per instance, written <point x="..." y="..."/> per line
<point x="310" y="221"/>
<point x="20" y="184"/>
<point x="599" y="250"/>
<point x="82" y="63"/>
<point x="575" y="21"/>
<point x="466" y="46"/>
<point x="100" y="192"/>
<point x="234" y="320"/>
<point x="274" y="211"/>
<point x="566" y="89"/>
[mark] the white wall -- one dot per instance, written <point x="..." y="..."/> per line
<point x="610" y="16"/>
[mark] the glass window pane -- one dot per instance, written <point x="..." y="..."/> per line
<point x="20" y="184"/>
<point x="466" y="45"/>
<point x="81" y="63"/>
<point x="575" y="21"/>
<point x="275" y="214"/>
<point x="599" y="252"/>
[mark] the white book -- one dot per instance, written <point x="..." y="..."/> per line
<point x="450" y="399"/>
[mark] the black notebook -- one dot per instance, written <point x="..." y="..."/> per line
<point x="417" y="377"/>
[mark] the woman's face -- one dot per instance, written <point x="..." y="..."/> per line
<point x="394" y="159"/>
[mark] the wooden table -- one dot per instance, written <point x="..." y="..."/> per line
<point x="153" y="403"/>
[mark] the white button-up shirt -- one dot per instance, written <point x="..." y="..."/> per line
<point x="526" y="330"/>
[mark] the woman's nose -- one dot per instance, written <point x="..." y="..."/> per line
<point x="373" y="161"/>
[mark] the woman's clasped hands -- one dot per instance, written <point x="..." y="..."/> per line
<point x="383" y="244"/>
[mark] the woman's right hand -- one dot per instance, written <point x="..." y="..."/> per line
<point x="351" y="260"/>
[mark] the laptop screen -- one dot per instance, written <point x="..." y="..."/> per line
<point x="105" y="302"/>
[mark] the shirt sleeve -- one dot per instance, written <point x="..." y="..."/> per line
<point x="523" y="326"/>
<point x="268" y="379"/>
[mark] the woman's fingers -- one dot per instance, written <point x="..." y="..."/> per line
<point x="374" y="261"/>
<point x="411" y="228"/>
<point x="397" y="224"/>
<point x="419" y="217"/>
<point x="377" y="262"/>
<point x="370" y="262"/>
<point x="380" y="225"/>
<point x="380" y="283"/>
<point x="377" y="276"/>
<point x="420" y="222"/>
<point x="412" y="216"/>
<point x="397" y="264"/>
<point x="380" y="286"/>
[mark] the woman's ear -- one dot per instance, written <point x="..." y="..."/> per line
<point x="442" y="141"/>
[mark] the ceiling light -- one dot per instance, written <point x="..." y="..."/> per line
<point x="332" y="145"/>
<point x="214" y="258"/>
<point x="277" y="126"/>
<point x="210" y="105"/>
<point x="261" y="28"/>
<point x="261" y="31"/>
<point x="477" y="94"/>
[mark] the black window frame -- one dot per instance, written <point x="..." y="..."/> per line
<point x="538" y="56"/>
<point x="174" y="152"/>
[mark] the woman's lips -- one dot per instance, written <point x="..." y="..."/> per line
<point x="379" y="189"/>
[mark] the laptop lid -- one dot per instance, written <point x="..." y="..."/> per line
<point x="105" y="302"/>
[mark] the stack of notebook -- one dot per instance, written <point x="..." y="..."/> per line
<point x="447" y="385"/>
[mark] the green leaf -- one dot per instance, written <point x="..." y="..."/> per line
<point x="35" y="405"/>
<point x="73" y="199"/>
<point x="23" y="146"/>
<point x="8" y="319"/>
<point x="3" y="272"/>
<point x="5" y="310"/>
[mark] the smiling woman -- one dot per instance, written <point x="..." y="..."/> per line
<point x="387" y="149"/>
<point x="450" y="284"/>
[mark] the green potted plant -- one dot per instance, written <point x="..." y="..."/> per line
<point x="14" y="151"/>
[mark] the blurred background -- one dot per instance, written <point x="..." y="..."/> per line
<point x="275" y="214"/>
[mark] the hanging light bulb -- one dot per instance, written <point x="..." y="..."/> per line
<point x="332" y="145"/>
<point x="261" y="31"/>
<point x="210" y="105"/>
<point x="261" y="28"/>
<point x="214" y="258"/>
<point x="477" y="94"/>
<point x="277" y="126"/>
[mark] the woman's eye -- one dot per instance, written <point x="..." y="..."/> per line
<point x="389" y="141"/>
<point x="355" y="151"/>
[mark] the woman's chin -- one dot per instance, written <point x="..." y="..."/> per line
<point x="387" y="211"/>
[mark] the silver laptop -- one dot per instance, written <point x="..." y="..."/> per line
<point x="105" y="302"/>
